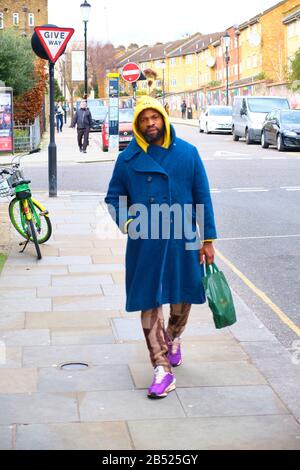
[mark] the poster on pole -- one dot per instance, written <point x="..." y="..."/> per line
<point x="6" y="120"/>
<point x="113" y="111"/>
<point x="77" y="66"/>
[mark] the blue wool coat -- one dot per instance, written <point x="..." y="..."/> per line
<point x="161" y="271"/>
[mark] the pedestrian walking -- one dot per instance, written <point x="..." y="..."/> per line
<point x="167" y="109"/>
<point x="156" y="169"/>
<point x="59" y="114"/>
<point x="83" y="120"/>
<point x="183" y="109"/>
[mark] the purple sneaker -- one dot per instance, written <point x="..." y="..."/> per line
<point x="174" y="354"/>
<point x="163" y="383"/>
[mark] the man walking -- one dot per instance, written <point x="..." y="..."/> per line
<point x="156" y="171"/>
<point x="183" y="109"/>
<point x="83" y="119"/>
<point x="59" y="113"/>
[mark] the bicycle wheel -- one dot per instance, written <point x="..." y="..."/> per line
<point x="34" y="239"/>
<point x="41" y="221"/>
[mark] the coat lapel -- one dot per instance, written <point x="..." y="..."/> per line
<point x="146" y="164"/>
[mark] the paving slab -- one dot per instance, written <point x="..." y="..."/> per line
<point x="38" y="408"/>
<point x="80" y="280"/>
<point x="82" y="336"/>
<point x="11" y="320"/>
<point x="19" y="280"/>
<point x="47" y="356"/>
<point x="127" y="329"/>
<point x="18" y="381"/>
<point x="97" y="268"/>
<point x="6" y="440"/>
<point x="30" y="305"/>
<point x="35" y="270"/>
<point x="95" y="302"/>
<point x="279" y="366"/>
<point x="10" y="356"/>
<point x="25" y="337"/>
<point x="288" y="389"/>
<point x="264" y="349"/>
<point x="73" y="436"/>
<point x="126" y="405"/>
<point x="230" y="401"/>
<point x="71" y="319"/>
<point x="71" y="290"/>
<point x="112" y="377"/>
<point x="205" y="374"/>
<point x="226" y="433"/>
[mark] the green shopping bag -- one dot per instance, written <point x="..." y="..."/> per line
<point x="219" y="297"/>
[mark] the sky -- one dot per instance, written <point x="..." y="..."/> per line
<point x="151" y="21"/>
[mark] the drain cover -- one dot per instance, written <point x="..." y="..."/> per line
<point x="74" y="366"/>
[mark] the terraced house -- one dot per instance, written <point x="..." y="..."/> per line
<point x="194" y="68"/>
<point x="23" y="15"/>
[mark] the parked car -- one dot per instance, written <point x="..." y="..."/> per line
<point x="125" y="129"/>
<point x="281" y="128"/>
<point x="249" y="113"/>
<point x="216" y="119"/>
<point x="98" y="112"/>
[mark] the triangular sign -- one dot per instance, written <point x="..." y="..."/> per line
<point x="54" y="40"/>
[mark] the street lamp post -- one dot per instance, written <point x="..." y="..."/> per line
<point x="226" y="39"/>
<point x="163" y="63"/>
<point x="85" y="9"/>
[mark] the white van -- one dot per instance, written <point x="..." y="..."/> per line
<point x="249" y="113"/>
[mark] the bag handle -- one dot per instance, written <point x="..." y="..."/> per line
<point x="211" y="269"/>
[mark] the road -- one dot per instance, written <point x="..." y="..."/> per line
<point x="256" y="196"/>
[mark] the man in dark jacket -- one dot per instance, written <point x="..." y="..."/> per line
<point x="83" y="119"/>
<point x="159" y="171"/>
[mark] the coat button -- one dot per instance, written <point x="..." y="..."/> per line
<point x="149" y="179"/>
<point x="165" y="177"/>
<point x="152" y="200"/>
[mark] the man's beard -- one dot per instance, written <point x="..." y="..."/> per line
<point x="152" y="138"/>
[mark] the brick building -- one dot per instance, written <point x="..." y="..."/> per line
<point x="23" y="15"/>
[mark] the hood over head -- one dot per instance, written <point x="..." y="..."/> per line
<point x="147" y="102"/>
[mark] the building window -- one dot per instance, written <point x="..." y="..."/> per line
<point x="30" y="19"/>
<point x="189" y="81"/>
<point x="158" y="64"/>
<point x="189" y="59"/>
<point x="15" y="19"/>
<point x="173" y="61"/>
<point x="291" y="29"/>
<point x="158" y="83"/>
<point x="1" y="21"/>
<point x="173" y="82"/>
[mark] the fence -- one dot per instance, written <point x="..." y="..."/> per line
<point x="27" y="136"/>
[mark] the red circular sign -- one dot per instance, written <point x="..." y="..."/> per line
<point x="131" y="72"/>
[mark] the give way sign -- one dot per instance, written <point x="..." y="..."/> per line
<point x="54" y="40"/>
<point x="131" y="72"/>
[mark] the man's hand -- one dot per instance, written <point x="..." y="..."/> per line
<point x="207" y="253"/>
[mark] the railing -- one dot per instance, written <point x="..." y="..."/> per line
<point x="27" y="136"/>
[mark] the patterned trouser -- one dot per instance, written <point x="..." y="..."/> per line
<point x="155" y="333"/>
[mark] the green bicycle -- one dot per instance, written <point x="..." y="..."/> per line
<point x="28" y="216"/>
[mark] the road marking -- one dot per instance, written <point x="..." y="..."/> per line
<point x="289" y="187"/>
<point x="281" y="315"/>
<point x="245" y="159"/>
<point x="253" y="190"/>
<point x="258" y="238"/>
<point x="223" y="153"/>
<point x="293" y="189"/>
<point x="274" y="158"/>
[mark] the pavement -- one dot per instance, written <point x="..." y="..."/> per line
<point x="238" y="388"/>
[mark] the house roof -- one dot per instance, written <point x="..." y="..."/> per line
<point x="292" y="17"/>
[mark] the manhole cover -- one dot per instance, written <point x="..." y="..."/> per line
<point x="74" y="366"/>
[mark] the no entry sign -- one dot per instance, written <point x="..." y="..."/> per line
<point x="131" y="72"/>
<point x="54" y="40"/>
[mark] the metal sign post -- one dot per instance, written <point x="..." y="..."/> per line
<point x="49" y="42"/>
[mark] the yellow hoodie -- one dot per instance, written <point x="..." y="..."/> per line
<point x="146" y="102"/>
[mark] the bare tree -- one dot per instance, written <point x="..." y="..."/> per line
<point x="102" y="57"/>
